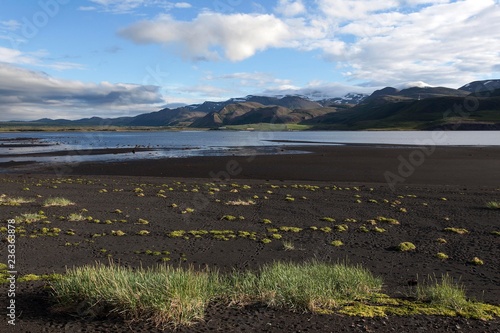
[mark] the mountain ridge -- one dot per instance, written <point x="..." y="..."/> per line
<point x="411" y="108"/>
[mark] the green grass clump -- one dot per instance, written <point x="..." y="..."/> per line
<point x="170" y="296"/>
<point x="328" y="219"/>
<point x="57" y="201"/>
<point x="163" y="295"/>
<point x="30" y="217"/>
<point x="406" y="246"/>
<point x="313" y="285"/>
<point x="240" y="202"/>
<point x="288" y="246"/>
<point x="229" y="218"/>
<point x="446" y="295"/>
<point x="493" y="205"/>
<point x="75" y="217"/>
<point x="6" y="201"/>
<point x="117" y="233"/>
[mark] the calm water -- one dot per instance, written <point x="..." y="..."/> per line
<point x="203" y="143"/>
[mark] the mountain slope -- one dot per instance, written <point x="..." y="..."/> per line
<point x="430" y="113"/>
<point x="390" y="94"/>
<point x="255" y="113"/>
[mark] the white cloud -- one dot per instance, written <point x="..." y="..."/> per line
<point x="379" y="42"/>
<point x="129" y="6"/>
<point x="13" y="56"/>
<point x="239" y="36"/>
<point x="447" y="43"/>
<point x="290" y="7"/>
<point x="182" y="5"/>
<point x="320" y="90"/>
<point x="10" y="25"/>
<point x="87" y="8"/>
<point x="251" y="79"/>
<point x="32" y="95"/>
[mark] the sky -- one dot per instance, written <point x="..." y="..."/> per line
<point x="74" y="59"/>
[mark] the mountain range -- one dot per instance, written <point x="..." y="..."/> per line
<point x="476" y="105"/>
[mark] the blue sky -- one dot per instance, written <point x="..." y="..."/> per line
<point x="73" y="59"/>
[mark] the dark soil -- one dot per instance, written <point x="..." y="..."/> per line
<point x="423" y="208"/>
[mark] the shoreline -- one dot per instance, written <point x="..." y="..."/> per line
<point x="441" y="165"/>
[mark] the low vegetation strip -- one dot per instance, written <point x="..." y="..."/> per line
<point x="176" y="296"/>
<point x="170" y="296"/>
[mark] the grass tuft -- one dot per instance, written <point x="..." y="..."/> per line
<point x="445" y="293"/>
<point x="164" y="295"/>
<point x="57" y="201"/>
<point x="7" y="201"/>
<point x="175" y="296"/>
<point x="493" y="205"/>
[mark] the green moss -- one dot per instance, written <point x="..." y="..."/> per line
<point x="341" y="227"/>
<point x="337" y="243"/>
<point x="442" y="256"/>
<point x="476" y="261"/>
<point x="406" y="246"/>
<point x="118" y="233"/>
<point x="460" y="231"/>
<point x="177" y="233"/>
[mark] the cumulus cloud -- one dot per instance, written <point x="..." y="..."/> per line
<point x="290" y="8"/>
<point x="379" y="42"/>
<point x="26" y="94"/>
<point x="447" y="43"/>
<point x="238" y="35"/>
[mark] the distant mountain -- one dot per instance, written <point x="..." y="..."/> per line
<point x="390" y="94"/>
<point x="290" y="102"/>
<point x="181" y="116"/>
<point x="419" y="107"/>
<point x="445" y="112"/>
<point x="255" y="113"/>
<point x="481" y="86"/>
<point x="350" y="98"/>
